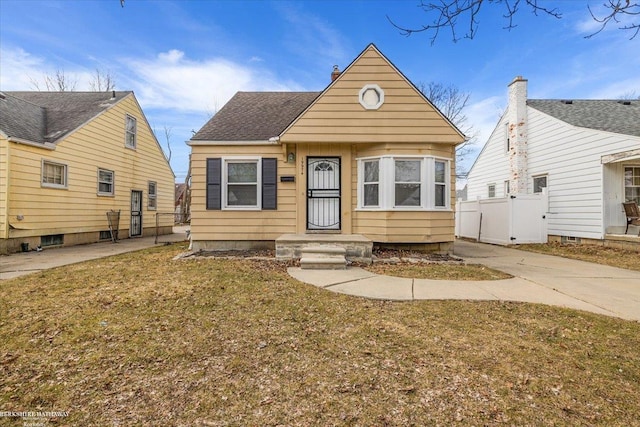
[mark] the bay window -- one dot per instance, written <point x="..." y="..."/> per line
<point x="403" y="183"/>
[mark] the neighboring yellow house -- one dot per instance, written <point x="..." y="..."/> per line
<point x="370" y="155"/>
<point x="68" y="158"/>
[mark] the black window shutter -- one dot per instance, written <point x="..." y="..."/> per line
<point x="214" y="179"/>
<point x="269" y="184"/>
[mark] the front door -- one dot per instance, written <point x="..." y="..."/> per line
<point x="136" y="214"/>
<point x="323" y="193"/>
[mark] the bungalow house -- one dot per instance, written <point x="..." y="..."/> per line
<point x="584" y="153"/>
<point x="68" y="158"/>
<point x="369" y="156"/>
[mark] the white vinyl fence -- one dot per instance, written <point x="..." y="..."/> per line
<point x="509" y="221"/>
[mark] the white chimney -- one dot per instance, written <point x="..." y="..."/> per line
<point x="517" y="134"/>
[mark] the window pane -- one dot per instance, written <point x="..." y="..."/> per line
<point x="407" y="194"/>
<point x="104" y="187"/>
<point x="242" y="195"/>
<point x="440" y="195"/>
<point x="539" y="183"/>
<point x="371" y="171"/>
<point x="440" y="169"/>
<point x="371" y="195"/>
<point x="242" y="172"/>
<point x="407" y="170"/>
<point x="105" y="176"/>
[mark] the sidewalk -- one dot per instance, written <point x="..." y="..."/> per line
<point x="19" y="264"/>
<point x="537" y="278"/>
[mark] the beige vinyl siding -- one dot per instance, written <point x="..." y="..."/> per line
<point x="4" y="183"/>
<point x="337" y="115"/>
<point x="211" y="225"/>
<point x="78" y="208"/>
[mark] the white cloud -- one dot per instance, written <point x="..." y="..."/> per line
<point x="171" y="80"/>
<point x="18" y="68"/>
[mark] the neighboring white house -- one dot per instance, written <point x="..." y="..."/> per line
<point x="586" y="153"/>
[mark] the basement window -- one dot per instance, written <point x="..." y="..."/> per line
<point x="52" y="240"/>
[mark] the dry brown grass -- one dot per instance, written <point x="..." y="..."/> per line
<point x="591" y="253"/>
<point x="438" y="271"/>
<point x="141" y="340"/>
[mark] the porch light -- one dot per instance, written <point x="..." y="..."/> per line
<point x="291" y="157"/>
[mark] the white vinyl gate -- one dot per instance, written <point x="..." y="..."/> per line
<point x="508" y="221"/>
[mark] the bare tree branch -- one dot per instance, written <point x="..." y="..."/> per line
<point x="619" y="10"/>
<point x="102" y="81"/>
<point x="450" y="14"/>
<point x="58" y="82"/>
<point x="452" y="103"/>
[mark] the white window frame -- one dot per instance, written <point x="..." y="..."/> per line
<point x="64" y="174"/>
<point x="365" y="183"/>
<point x="112" y="183"/>
<point x="533" y="183"/>
<point x="130" y="134"/>
<point x="152" y="197"/>
<point x="507" y="188"/>
<point x="421" y="182"/>
<point x="386" y="184"/>
<point x="624" y="183"/>
<point x="225" y="175"/>
<point x="491" y="190"/>
<point x="507" y="141"/>
<point x="445" y="184"/>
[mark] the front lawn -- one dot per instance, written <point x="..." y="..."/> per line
<point x="142" y="340"/>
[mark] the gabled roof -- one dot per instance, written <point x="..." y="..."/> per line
<point x="607" y="115"/>
<point x="46" y="117"/>
<point x="255" y="116"/>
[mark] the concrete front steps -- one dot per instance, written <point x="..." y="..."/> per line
<point x="323" y="258"/>
<point x="357" y="248"/>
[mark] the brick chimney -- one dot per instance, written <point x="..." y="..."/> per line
<point x="335" y="73"/>
<point x="517" y="134"/>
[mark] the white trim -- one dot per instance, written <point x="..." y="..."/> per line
<point x="128" y="116"/>
<point x="192" y="143"/>
<point x="224" y="189"/>
<point x="46" y="145"/>
<point x="113" y="183"/>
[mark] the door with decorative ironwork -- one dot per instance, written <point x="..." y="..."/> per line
<point x="136" y="214"/>
<point x="323" y="193"/>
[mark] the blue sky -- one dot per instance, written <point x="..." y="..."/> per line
<point x="185" y="59"/>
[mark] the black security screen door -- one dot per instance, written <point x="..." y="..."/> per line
<point x="323" y="193"/>
<point x="136" y="214"/>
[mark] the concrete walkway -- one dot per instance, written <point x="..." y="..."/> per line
<point x="19" y="264"/>
<point x="537" y="278"/>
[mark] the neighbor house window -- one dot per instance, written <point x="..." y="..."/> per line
<point x="632" y="184"/>
<point x="130" y="137"/>
<point x="152" y="196"/>
<point x="491" y="190"/>
<point x="539" y="182"/>
<point x="54" y="174"/>
<point x="105" y="182"/>
<point x="390" y="183"/>
<point x="507" y="188"/>
<point x="507" y="144"/>
<point x="371" y="183"/>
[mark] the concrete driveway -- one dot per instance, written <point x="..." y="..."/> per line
<point x="19" y="264"/>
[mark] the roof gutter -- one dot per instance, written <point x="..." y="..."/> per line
<point x="271" y="141"/>
<point x="45" y="145"/>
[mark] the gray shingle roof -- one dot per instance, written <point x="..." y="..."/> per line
<point x="255" y="116"/>
<point x="48" y="116"/>
<point x="601" y="114"/>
